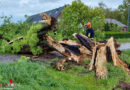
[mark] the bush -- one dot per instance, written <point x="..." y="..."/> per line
<point x="117" y="34"/>
<point x="112" y="27"/>
<point x="99" y="35"/>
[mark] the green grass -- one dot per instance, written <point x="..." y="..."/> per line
<point x="123" y="40"/>
<point x="35" y="76"/>
<point x="125" y="56"/>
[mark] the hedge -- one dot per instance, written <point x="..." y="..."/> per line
<point x="117" y="34"/>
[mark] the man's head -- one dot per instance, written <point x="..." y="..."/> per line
<point x="88" y="25"/>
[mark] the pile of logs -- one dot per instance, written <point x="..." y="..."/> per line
<point x="99" y="52"/>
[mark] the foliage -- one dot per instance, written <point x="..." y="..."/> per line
<point x="10" y="31"/>
<point x="24" y="59"/>
<point x="120" y="14"/>
<point x="126" y="56"/>
<point x="98" y="23"/>
<point x="75" y="16"/>
<point x="117" y="34"/>
<point x="112" y="27"/>
<point x="36" y="76"/>
<point x="100" y="35"/>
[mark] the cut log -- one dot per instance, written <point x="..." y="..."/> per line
<point x="70" y="49"/>
<point x="101" y="63"/>
<point x="84" y="40"/>
<point x="92" y="63"/>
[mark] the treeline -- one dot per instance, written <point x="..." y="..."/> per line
<point x="120" y="14"/>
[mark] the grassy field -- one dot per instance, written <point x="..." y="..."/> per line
<point x="35" y="76"/>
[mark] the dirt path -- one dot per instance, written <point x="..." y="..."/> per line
<point x="9" y="57"/>
<point x="14" y="57"/>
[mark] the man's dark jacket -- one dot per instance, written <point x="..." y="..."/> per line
<point x="91" y="31"/>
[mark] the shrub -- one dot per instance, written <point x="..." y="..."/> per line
<point x="117" y="34"/>
<point x="99" y="35"/>
<point x="112" y="27"/>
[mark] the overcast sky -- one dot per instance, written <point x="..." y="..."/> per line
<point x="18" y="8"/>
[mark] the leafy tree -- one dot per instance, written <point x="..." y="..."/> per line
<point x="120" y="14"/>
<point x="124" y="10"/>
<point x="75" y="16"/>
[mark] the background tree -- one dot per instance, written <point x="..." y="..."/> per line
<point x="124" y="10"/>
<point x="75" y="16"/>
<point x="102" y="5"/>
<point x="120" y="14"/>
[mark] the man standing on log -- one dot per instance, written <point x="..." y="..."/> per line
<point x="90" y="30"/>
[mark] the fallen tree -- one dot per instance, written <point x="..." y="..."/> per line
<point x="99" y="52"/>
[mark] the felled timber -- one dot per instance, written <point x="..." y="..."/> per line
<point x="84" y="41"/>
<point x="101" y="62"/>
<point x="71" y="49"/>
<point x="100" y="53"/>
